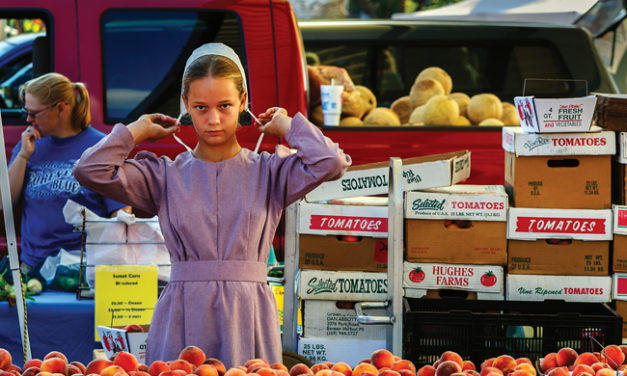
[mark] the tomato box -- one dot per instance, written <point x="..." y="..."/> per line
<point x="487" y="280"/>
<point x="540" y="115"/>
<point x="337" y="319"/>
<point x="619" y="286"/>
<point x="437" y="170"/>
<point x="335" y="219"/>
<point x="533" y="224"/>
<point x="350" y="351"/>
<point x="342" y="285"/>
<point x="619" y="246"/>
<point x="595" y="142"/>
<point x="116" y="339"/>
<point x="584" y="289"/>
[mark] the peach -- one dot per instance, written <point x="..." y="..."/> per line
<point x="111" y="370"/>
<point x="35" y="362"/>
<point x="139" y="373"/>
<point x="520" y="372"/>
<point x="134" y="328"/>
<point x="468" y="364"/>
<point x="368" y="373"/>
<point x="587" y="358"/>
<point x="157" y="367"/>
<point x="624" y="349"/>
<point x="582" y="368"/>
<point x="549" y="361"/>
<point x="126" y="360"/>
<point x="55" y="354"/>
<point x="282" y="372"/>
<point x="404" y="364"/>
<point x="78" y="364"/>
<point x="471" y="372"/>
<point x="256" y="360"/>
<point x="31" y="371"/>
<point x="142" y="367"/>
<point x="598" y="365"/>
<point x="342" y="368"/>
<point x="382" y="358"/>
<point x="505" y="363"/>
<point x="317" y="367"/>
<point x="45" y="373"/>
<point x="73" y="370"/>
<point x="266" y="371"/>
<point x="218" y="364"/>
<point x="558" y="371"/>
<point x="447" y="367"/>
<point x="177" y="372"/>
<point x="486" y="363"/>
<point x="324" y="372"/>
<point x="523" y="360"/>
<point x="299" y="369"/>
<point x="6" y="373"/>
<point x="183" y="365"/>
<point x="97" y="365"/>
<point x="279" y="366"/>
<point x="362" y="368"/>
<point x="613" y="355"/>
<point x="5" y="359"/>
<point x="458" y="374"/>
<point x="193" y="354"/>
<point x="426" y="370"/>
<point x="490" y="369"/>
<point x="566" y="356"/>
<point x="452" y="355"/>
<point x="365" y="360"/>
<point x="206" y="370"/>
<point x="605" y="372"/>
<point x="389" y="372"/>
<point x="526" y="367"/>
<point x="54" y="365"/>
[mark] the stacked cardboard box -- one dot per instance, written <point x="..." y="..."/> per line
<point x="342" y="253"/>
<point x="558" y="177"/>
<point x="455" y="240"/>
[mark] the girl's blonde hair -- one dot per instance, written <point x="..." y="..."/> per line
<point x="216" y="66"/>
<point x="53" y="88"/>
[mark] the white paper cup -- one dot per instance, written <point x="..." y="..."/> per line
<point x="331" y="96"/>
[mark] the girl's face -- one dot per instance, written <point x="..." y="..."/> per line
<point x="214" y="105"/>
<point x="42" y="117"/>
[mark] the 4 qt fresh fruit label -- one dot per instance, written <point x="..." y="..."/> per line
<point x="480" y="278"/>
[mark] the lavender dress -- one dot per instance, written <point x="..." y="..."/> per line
<point x="218" y="221"/>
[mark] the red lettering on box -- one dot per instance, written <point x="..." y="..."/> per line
<point x="344" y="223"/>
<point x="621" y="286"/>
<point x="561" y="225"/>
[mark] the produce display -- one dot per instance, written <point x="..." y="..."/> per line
<point x="430" y="101"/>
<point x="7" y="290"/>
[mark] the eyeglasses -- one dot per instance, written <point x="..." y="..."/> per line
<point x="26" y="112"/>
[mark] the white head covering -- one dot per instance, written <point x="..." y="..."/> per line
<point x="215" y="49"/>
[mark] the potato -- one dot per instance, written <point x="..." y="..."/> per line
<point x="382" y="116"/>
<point x="403" y="109"/>
<point x="351" y="121"/>
<point x="417" y="116"/>
<point x="462" y="120"/>
<point x="484" y="106"/>
<point x="423" y="90"/>
<point x="441" y="110"/>
<point x="491" y="121"/>
<point x="462" y="100"/>
<point x="439" y="75"/>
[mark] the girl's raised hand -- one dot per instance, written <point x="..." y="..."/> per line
<point x="276" y="122"/>
<point x="153" y="127"/>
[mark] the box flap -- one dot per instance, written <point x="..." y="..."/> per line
<point x="430" y="171"/>
<point x="620" y="219"/>
<point x="476" y="202"/>
<point x="556" y="287"/>
<point x="555" y="115"/>
<point x="596" y="142"/>
<point x="327" y="219"/>
<point x="619" y="286"/>
<point x="485" y="278"/>
<point x="532" y="224"/>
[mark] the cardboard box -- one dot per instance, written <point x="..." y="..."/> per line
<point x="595" y="142"/>
<point x="619" y="169"/>
<point x="619" y="246"/>
<point x="563" y="256"/>
<point x="337" y="319"/>
<point x="115" y="340"/>
<point x="344" y="285"/>
<point x="429" y="276"/>
<point x="442" y="241"/>
<point x="350" y="351"/>
<point x="567" y="182"/>
<point x="584" y="289"/>
<point x="619" y="286"/>
<point x="332" y="219"/>
<point x="438" y="170"/>
<point x="341" y="252"/>
<point x="465" y="202"/>
<point x="453" y="294"/>
<point x="621" y="309"/>
<point x="538" y="115"/>
<point x="533" y="224"/>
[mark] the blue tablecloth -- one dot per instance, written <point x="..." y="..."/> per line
<point x="56" y="321"/>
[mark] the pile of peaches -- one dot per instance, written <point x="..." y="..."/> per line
<point x="193" y="362"/>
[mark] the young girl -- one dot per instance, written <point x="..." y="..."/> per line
<point x="218" y="205"/>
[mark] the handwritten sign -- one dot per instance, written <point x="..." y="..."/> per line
<point x="125" y="294"/>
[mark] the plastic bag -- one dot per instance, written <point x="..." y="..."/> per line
<point x="107" y="240"/>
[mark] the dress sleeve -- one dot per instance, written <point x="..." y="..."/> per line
<point x="318" y="159"/>
<point x="105" y="169"/>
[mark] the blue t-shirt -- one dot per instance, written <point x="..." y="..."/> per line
<point x="48" y="184"/>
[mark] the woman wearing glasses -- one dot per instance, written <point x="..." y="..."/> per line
<point x="40" y="170"/>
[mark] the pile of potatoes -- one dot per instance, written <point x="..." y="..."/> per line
<point x="430" y="102"/>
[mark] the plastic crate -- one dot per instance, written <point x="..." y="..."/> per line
<point x="478" y="330"/>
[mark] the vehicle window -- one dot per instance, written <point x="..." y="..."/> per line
<point x="144" y="54"/>
<point x="390" y="70"/>
<point x="18" y="36"/>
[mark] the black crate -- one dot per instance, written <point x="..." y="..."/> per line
<point x="479" y="329"/>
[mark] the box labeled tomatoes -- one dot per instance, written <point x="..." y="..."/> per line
<point x="344" y="219"/>
<point x="619" y="254"/>
<point x="461" y="201"/>
<point x="437" y="170"/>
<point x="418" y="278"/>
<point x="584" y="289"/>
<point x="595" y="142"/>
<point x="342" y="285"/>
<point x="581" y="224"/>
